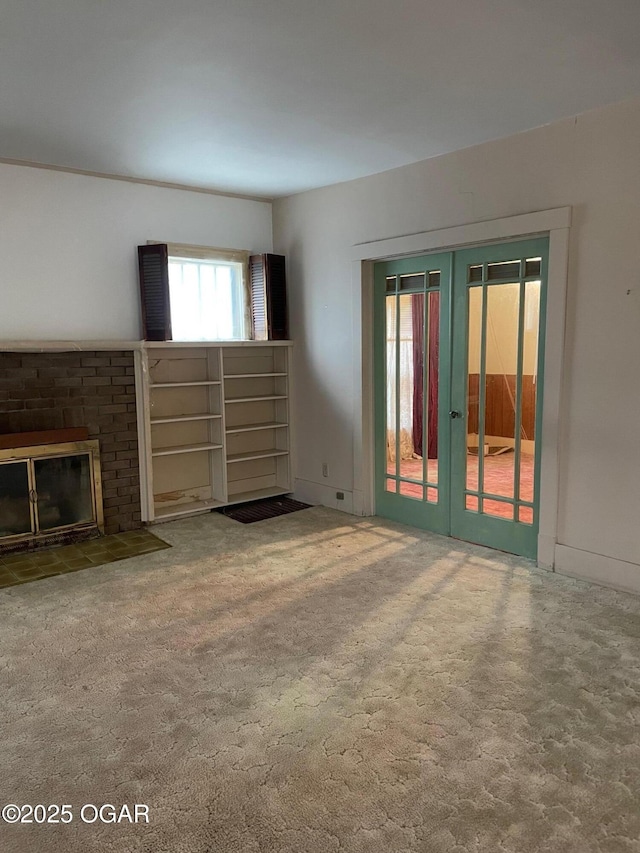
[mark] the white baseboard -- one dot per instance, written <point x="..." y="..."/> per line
<point x="323" y="495"/>
<point x="598" y="569"/>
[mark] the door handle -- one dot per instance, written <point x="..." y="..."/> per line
<point x="453" y="414"/>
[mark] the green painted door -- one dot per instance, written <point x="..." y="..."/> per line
<point x="412" y="367"/>
<point x="459" y="346"/>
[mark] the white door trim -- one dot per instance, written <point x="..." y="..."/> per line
<point x="556" y="224"/>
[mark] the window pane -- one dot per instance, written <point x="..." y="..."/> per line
<point x="207" y="300"/>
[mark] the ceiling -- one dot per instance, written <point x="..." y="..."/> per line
<point x="272" y="97"/>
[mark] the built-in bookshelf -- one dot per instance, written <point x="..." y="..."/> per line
<point x="215" y="424"/>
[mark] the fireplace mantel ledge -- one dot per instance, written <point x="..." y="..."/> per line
<point x="67" y="346"/>
<point x="82" y="346"/>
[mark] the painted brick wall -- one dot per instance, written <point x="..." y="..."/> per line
<point x="40" y="391"/>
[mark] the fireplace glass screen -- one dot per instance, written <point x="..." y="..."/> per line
<point x="47" y="493"/>
<point x="63" y="488"/>
<point x="15" y="513"/>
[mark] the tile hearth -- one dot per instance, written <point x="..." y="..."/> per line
<point x="33" y="565"/>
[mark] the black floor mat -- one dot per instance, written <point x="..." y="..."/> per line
<point x="263" y="509"/>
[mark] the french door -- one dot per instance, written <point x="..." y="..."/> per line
<point x="458" y="360"/>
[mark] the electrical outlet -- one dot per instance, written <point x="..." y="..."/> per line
<point x="325" y="469"/>
<point x="339" y="496"/>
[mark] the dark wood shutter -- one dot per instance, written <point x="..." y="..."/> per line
<point x="267" y="278"/>
<point x="153" y="262"/>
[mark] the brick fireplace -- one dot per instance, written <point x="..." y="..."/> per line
<point x="93" y="389"/>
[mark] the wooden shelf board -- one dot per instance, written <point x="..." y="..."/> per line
<point x="247" y="456"/>
<point x="172" y="419"/>
<point x="184" y="384"/>
<point x="251" y="375"/>
<point x="184" y="448"/>
<point x="255" y="427"/>
<point x="166" y="512"/>
<point x="255" y="399"/>
<point x="257" y="494"/>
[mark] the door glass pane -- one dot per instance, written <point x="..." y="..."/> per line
<point x="63" y="486"/>
<point x="411" y="384"/>
<point x="431" y="390"/>
<point x="415" y="281"/>
<point x="473" y="385"/>
<point x="500" y="509"/>
<point x="501" y="366"/>
<point x="412" y="490"/>
<point x="532" y="266"/>
<point x="391" y="408"/>
<point x="412" y="359"/>
<point x="529" y="388"/>
<point x="15" y="517"/>
<point x="503" y="269"/>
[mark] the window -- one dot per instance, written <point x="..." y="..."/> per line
<point x="208" y="299"/>
<point x="208" y="294"/>
<point x="196" y="293"/>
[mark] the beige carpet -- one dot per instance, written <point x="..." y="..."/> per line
<point x="319" y="683"/>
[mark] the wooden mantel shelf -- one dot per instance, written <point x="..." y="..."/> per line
<point x="84" y="346"/>
<point x="9" y="441"/>
<point x="67" y="346"/>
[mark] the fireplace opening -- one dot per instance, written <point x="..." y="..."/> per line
<point x="50" y="493"/>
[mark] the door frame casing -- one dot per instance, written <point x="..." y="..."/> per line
<point x="554" y="223"/>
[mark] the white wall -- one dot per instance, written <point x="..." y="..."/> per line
<point x="68" y="248"/>
<point x="592" y="163"/>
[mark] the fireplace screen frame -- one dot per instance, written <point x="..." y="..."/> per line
<point x="30" y="455"/>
